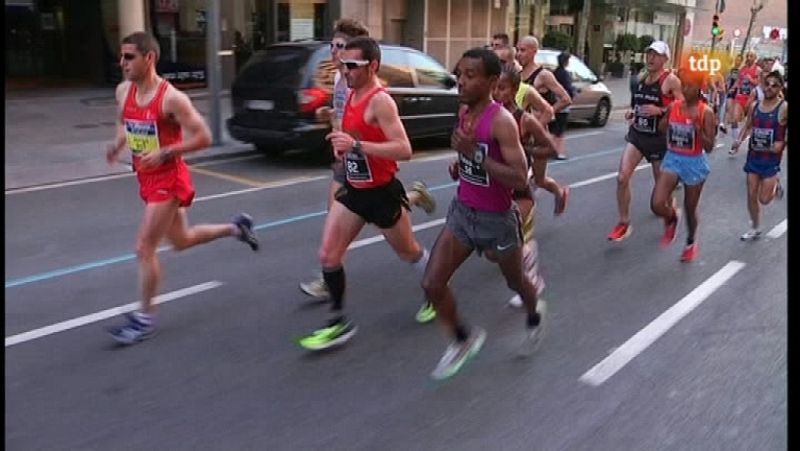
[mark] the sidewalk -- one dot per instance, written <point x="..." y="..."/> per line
<point x="58" y="135"/>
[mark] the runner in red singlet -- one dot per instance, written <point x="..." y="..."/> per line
<point x="152" y="116"/>
<point x="371" y="142"/>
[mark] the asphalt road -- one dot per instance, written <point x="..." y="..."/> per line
<point x="702" y="347"/>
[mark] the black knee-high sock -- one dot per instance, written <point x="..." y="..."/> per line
<point x="334" y="279"/>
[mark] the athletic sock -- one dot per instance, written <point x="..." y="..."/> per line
<point x="334" y="279"/>
<point x="421" y="263"/>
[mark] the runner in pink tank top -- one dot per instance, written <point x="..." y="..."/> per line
<point x="491" y="164"/>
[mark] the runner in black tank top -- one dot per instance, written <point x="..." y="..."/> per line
<point x="528" y="46"/>
<point x="649" y="101"/>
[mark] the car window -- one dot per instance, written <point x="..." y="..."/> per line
<point x="394" y="70"/>
<point x="429" y="72"/>
<point x="547" y="59"/>
<point x="579" y="71"/>
<point x="278" y="66"/>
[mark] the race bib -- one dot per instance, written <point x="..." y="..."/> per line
<point x="357" y="167"/>
<point x="762" y="140"/>
<point x="681" y="136"/>
<point x="472" y="172"/>
<point x="745" y="90"/>
<point x="644" y="124"/>
<point x="142" y="136"/>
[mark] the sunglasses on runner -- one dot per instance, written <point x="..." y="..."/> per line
<point x="354" y="64"/>
<point x="338" y="45"/>
<point x="774" y="85"/>
<point x="128" y="56"/>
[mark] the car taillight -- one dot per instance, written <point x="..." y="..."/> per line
<point x="311" y="99"/>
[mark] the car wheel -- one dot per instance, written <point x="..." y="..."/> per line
<point x="601" y="113"/>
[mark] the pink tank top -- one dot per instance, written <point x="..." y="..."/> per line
<point x="476" y="189"/>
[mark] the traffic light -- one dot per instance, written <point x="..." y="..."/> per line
<point x="716" y="30"/>
<point x="775" y="34"/>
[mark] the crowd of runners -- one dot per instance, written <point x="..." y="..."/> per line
<point x="511" y="122"/>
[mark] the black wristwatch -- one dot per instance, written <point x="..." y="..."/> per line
<point x="167" y="155"/>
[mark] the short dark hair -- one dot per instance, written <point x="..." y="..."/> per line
<point x="370" y="50"/>
<point x="510" y="71"/>
<point x="563" y="59"/>
<point x="501" y="36"/>
<point x="144" y="42"/>
<point x="489" y="59"/>
<point x="352" y="28"/>
<point x="776" y="75"/>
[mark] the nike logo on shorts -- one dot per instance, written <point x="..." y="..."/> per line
<point x="502" y="248"/>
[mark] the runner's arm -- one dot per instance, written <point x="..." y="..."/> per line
<point x="536" y="103"/>
<point x="783" y="120"/>
<point x="708" y="130"/>
<point x="384" y="111"/>
<point x="663" y="121"/>
<point x="114" y="147"/>
<point x="513" y="173"/>
<point x="672" y="86"/>
<point x="550" y="82"/>
<point x="179" y="107"/>
<point x="748" y="125"/>
<point x="533" y="128"/>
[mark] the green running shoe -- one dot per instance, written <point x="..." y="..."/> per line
<point x="336" y="332"/>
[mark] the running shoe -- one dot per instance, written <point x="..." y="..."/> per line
<point x="316" y="288"/>
<point x="426" y="200"/>
<point x="690" y="252"/>
<point x="561" y="202"/>
<point x="338" y="331"/>
<point x="426" y="313"/>
<point x="533" y="335"/>
<point x="620" y="232"/>
<point x="246" y="235"/>
<point x="751" y="235"/>
<point x="457" y="354"/>
<point x="723" y="129"/>
<point x="134" y="331"/>
<point x="670" y="230"/>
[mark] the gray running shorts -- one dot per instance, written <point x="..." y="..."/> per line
<point x="498" y="232"/>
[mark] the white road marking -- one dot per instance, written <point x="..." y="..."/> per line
<point x="779" y="229"/>
<point x="105" y="314"/>
<point x="379" y="238"/>
<point x="653" y="331"/>
<point x="604" y="177"/>
<point x="269" y="185"/>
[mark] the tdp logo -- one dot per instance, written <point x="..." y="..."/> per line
<point x="705" y="64"/>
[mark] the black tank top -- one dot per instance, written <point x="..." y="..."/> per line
<point x="548" y="95"/>
<point x="648" y="94"/>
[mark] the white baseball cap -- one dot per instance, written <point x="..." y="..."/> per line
<point x="659" y="47"/>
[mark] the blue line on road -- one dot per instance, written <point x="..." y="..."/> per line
<point x="127" y="257"/>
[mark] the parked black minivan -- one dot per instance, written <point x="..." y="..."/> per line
<point x="277" y="92"/>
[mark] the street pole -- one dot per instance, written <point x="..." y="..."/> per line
<point x="214" y="68"/>
<point x="714" y="38"/>
<point x="753" y="11"/>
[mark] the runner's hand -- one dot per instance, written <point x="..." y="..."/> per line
<point x="324" y="114"/>
<point x="153" y="159"/>
<point x="112" y="153"/>
<point x="341" y="142"/>
<point x="463" y="144"/>
<point x="453" y="169"/>
<point x="650" y="110"/>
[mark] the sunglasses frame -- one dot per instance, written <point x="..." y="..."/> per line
<point x="128" y="56"/>
<point x="338" y="45"/>
<point x="354" y="64"/>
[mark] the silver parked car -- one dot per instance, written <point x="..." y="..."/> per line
<point x="592" y="101"/>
